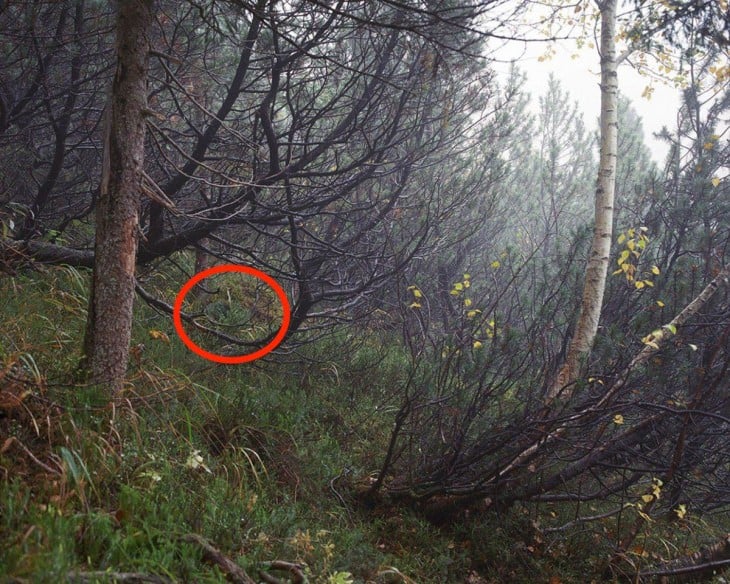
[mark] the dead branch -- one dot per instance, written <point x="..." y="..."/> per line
<point x="234" y="573"/>
<point x="131" y="577"/>
<point x="296" y="570"/>
<point x="704" y="564"/>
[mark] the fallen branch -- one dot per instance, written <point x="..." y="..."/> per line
<point x="296" y="570"/>
<point x="234" y="573"/>
<point x="704" y="564"/>
<point x="132" y="577"/>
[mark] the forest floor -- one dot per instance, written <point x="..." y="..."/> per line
<point x="262" y="461"/>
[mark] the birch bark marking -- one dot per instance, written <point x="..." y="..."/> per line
<point x="109" y="322"/>
<point x="597" y="268"/>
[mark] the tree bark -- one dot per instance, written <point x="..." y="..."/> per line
<point x="597" y="268"/>
<point x="109" y="322"/>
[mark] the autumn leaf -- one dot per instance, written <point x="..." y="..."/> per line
<point x="159" y="335"/>
<point x="681" y="511"/>
<point x="618" y="419"/>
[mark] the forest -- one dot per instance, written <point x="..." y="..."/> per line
<point x="302" y="291"/>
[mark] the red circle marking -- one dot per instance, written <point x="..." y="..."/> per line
<point x="234" y="359"/>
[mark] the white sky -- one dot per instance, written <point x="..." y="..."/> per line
<point x="581" y="78"/>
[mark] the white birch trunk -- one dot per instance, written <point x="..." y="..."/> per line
<point x="598" y="261"/>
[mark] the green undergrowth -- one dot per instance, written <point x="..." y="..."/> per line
<point x="261" y="460"/>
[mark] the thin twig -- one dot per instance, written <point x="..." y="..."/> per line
<point x="43" y="465"/>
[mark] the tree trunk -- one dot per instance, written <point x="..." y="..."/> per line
<point x="109" y="322"/>
<point x="597" y="268"/>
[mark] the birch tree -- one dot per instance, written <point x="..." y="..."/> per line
<point x="598" y="260"/>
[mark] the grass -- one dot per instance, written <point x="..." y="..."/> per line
<point x="246" y="456"/>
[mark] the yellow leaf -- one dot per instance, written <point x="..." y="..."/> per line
<point x="159" y="335"/>
<point x="644" y="516"/>
<point x="414" y="305"/>
<point x="681" y="511"/>
<point x="618" y="419"/>
<point x="655" y="270"/>
<point x="708" y="145"/>
<point x="477" y="344"/>
<point x="467" y="302"/>
<point x="639" y="284"/>
<point x="647" y="498"/>
<point x="660" y="304"/>
<point x="472" y="313"/>
<point x="715" y="181"/>
<point x="467" y="276"/>
<point x="496" y="264"/>
<point x="621" y="238"/>
<point x="417" y="293"/>
<point x="459" y="286"/>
